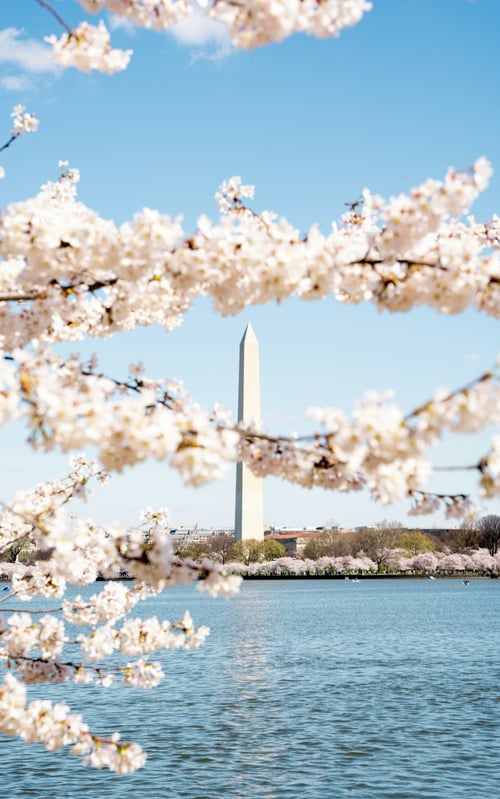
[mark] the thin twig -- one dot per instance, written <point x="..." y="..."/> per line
<point x="8" y="596"/>
<point x="472" y="467"/>
<point x="42" y="610"/>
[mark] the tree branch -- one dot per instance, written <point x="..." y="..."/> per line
<point x="56" y="16"/>
<point x="9" y="142"/>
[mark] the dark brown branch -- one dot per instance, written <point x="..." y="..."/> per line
<point x="405" y="261"/>
<point x="56" y="16"/>
<point x="472" y="467"/>
<point x="7" y="144"/>
<point x="66" y="291"/>
<point x="22" y="297"/>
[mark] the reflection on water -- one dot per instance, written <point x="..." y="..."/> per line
<point x="375" y="690"/>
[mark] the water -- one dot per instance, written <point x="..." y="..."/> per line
<point x="314" y="689"/>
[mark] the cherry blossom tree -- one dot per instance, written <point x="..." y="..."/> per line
<point x="454" y="562"/>
<point x="427" y="562"/>
<point x="67" y="274"/>
<point x="483" y="561"/>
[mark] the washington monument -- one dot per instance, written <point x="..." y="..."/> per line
<point x="249" y="519"/>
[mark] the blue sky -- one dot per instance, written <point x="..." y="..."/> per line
<point x="401" y="96"/>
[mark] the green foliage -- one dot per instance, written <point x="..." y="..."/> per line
<point x="414" y="542"/>
<point x="252" y="551"/>
<point x="272" y="550"/>
<point x="245" y="551"/>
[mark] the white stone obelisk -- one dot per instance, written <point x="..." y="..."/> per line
<point x="249" y="517"/>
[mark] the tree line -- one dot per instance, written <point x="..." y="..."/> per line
<point x="377" y="543"/>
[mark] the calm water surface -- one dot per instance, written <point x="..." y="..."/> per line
<point x="314" y="689"/>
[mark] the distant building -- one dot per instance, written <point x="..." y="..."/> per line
<point x="194" y="534"/>
<point x="436" y="531"/>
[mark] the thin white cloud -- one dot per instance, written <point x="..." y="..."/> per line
<point x="120" y="23"/>
<point x="194" y="30"/>
<point x="28" y="54"/>
<point x="16" y="83"/>
<point x="197" y="30"/>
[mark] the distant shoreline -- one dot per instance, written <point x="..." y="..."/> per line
<point x="347" y="578"/>
<point x="350" y="578"/>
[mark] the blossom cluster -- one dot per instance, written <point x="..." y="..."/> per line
<point x="153" y="14"/>
<point x="254" y="23"/>
<point x="52" y="725"/>
<point x="23" y="121"/>
<point x="87" y="48"/>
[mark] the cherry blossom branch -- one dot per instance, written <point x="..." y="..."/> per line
<point x="345" y="456"/>
<point x="463" y="390"/>
<point x="149" y="271"/>
<point x="456" y="505"/>
<point x="24" y="122"/>
<point x="75" y="484"/>
<point x="65" y="668"/>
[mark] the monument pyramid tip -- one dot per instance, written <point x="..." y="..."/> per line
<point x="249" y="330"/>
